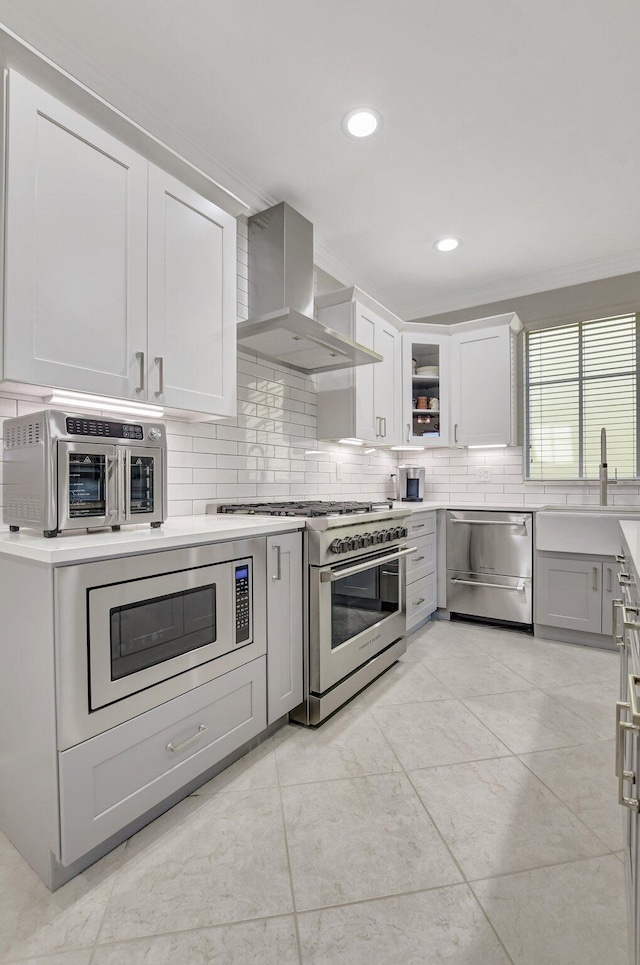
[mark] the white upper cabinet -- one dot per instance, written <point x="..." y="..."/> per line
<point x="363" y="402"/>
<point x="119" y="279"/>
<point x="192" y="299"/>
<point x="75" y="249"/>
<point x="483" y="383"/>
<point x="426" y="389"/>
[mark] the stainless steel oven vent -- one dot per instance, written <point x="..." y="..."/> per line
<point x="23" y="436"/>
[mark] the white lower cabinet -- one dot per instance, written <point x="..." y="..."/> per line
<point x="575" y="593"/>
<point x="284" y="624"/>
<point x="421" y="572"/>
<point x="114" y="778"/>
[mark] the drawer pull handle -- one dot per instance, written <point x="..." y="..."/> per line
<point x="417" y="526"/>
<point x="190" y="740"/>
<point x="416" y="559"/>
<point x="623" y="727"/>
<point x="625" y="579"/>
<point x="628" y="623"/>
<point x="418" y="602"/>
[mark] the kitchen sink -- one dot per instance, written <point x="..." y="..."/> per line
<point x="582" y="529"/>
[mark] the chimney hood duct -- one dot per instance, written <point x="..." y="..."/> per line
<point x="281" y="325"/>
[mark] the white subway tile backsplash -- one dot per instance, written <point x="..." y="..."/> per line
<point x="260" y="453"/>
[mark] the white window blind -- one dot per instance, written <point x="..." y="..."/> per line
<point x="580" y="378"/>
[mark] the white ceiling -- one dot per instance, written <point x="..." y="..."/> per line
<point x="509" y="123"/>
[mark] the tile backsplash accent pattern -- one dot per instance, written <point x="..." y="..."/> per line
<point x="459" y="475"/>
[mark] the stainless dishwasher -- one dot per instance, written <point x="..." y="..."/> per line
<point x="490" y="565"/>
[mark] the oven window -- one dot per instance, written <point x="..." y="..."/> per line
<point x="362" y="600"/>
<point x="141" y="482"/>
<point x="87" y="485"/>
<point x="146" y="633"/>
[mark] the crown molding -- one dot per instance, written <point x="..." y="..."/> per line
<point x="622" y="263"/>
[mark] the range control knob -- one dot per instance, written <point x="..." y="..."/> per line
<point x="155" y="433"/>
<point x="377" y="537"/>
<point x="398" y="532"/>
<point x="345" y="544"/>
<point x="388" y="535"/>
<point x="405" y="532"/>
<point x="366" y="539"/>
<point x="354" y="543"/>
<point x="336" y="546"/>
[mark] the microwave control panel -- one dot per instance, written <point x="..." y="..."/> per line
<point x="104" y="429"/>
<point x="243" y="603"/>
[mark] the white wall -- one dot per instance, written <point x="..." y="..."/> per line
<point x="451" y="474"/>
<point x="260" y="454"/>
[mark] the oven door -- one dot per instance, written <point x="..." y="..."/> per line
<point x="356" y="610"/>
<point x="86" y="485"/>
<point x="150" y="630"/>
<point x="141" y="478"/>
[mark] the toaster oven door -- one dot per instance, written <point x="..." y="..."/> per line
<point x="86" y="485"/>
<point x="141" y="481"/>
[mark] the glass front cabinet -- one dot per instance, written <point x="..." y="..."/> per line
<point x="426" y="390"/>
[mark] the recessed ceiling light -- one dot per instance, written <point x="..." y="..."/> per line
<point x="447" y="244"/>
<point x="361" y="122"/>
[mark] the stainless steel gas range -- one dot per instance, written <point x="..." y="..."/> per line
<point x="354" y="596"/>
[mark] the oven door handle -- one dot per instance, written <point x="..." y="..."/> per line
<point x="332" y="576"/>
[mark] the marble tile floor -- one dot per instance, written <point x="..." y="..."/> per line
<point x="462" y="810"/>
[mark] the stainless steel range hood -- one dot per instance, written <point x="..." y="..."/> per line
<point x="281" y="325"/>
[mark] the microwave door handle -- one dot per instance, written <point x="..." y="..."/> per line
<point x="331" y="576"/>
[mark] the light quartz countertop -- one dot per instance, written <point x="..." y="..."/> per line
<point x="175" y="533"/>
<point x="430" y="505"/>
<point x="631" y="539"/>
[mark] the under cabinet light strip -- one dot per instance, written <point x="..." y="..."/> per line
<point x="103" y="404"/>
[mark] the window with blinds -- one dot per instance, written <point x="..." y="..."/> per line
<point x="580" y="378"/>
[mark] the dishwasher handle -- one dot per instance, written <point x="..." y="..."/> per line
<point x="490" y="522"/>
<point x="496" y="586"/>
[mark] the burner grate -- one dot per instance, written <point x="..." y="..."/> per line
<point x="307" y="508"/>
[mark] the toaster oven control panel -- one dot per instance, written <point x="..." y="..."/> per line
<point x="243" y="603"/>
<point x="104" y="429"/>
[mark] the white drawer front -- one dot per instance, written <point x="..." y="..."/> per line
<point x="422" y="562"/>
<point x="421" y="600"/>
<point x="109" y="780"/>
<point x="420" y="524"/>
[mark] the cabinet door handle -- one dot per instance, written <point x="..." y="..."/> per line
<point x="202" y="729"/>
<point x="408" y="432"/>
<point x="278" y="573"/>
<point x="595" y="577"/>
<point x="140" y="359"/>
<point x="455" y="432"/>
<point x="416" y="559"/>
<point x="609" y="577"/>
<point x="159" y="360"/>
<point x="378" y="433"/>
<point x="618" y="639"/>
<point x="384" y="431"/>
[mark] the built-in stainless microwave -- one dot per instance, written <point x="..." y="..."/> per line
<point x="65" y="471"/>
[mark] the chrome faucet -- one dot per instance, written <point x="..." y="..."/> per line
<point x="604" y="473"/>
